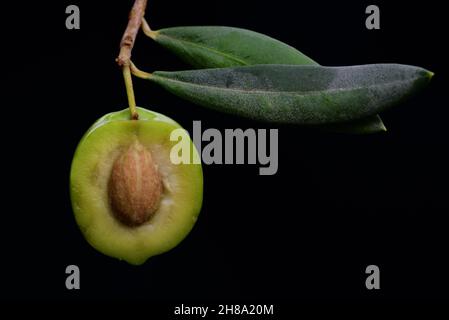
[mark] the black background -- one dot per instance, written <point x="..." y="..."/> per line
<point x="338" y="203"/>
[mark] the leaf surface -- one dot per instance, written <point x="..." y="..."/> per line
<point x="309" y="95"/>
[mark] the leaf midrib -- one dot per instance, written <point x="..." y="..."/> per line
<point x="227" y="55"/>
<point x="312" y="92"/>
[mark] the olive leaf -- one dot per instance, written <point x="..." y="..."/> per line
<point x="220" y="47"/>
<point x="309" y="95"/>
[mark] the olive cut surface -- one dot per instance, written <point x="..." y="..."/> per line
<point x="182" y="187"/>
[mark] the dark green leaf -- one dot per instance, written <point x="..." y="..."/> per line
<point x="219" y="47"/>
<point x="297" y="94"/>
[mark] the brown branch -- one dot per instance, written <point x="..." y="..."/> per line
<point x="129" y="37"/>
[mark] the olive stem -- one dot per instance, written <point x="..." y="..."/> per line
<point x="130" y="92"/>
<point x="139" y="73"/>
<point x="126" y="46"/>
<point x="147" y="30"/>
<point x="129" y="36"/>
